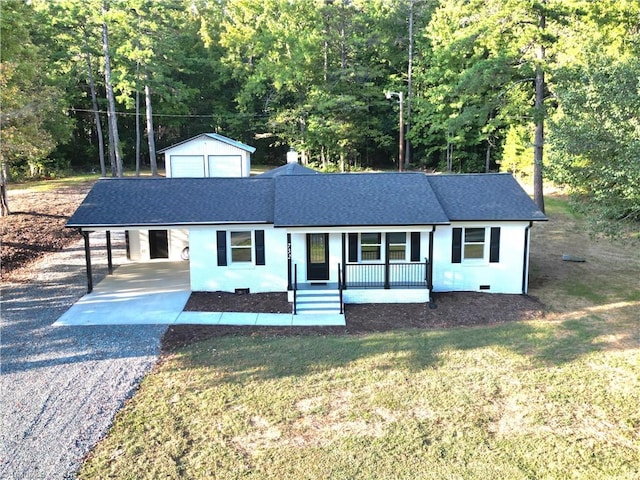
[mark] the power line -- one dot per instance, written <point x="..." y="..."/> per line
<point x="142" y="114"/>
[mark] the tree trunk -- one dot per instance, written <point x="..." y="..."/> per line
<point x="150" y="137"/>
<point x="449" y="157"/>
<point x="94" y="104"/>
<point x="407" y="152"/>
<point x="112" y="153"/>
<point x="487" y="158"/>
<point x="538" y="148"/>
<point x="137" y="119"/>
<point x="111" y="114"/>
<point x="4" y="202"/>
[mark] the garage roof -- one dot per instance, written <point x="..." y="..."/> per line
<point x="215" y="136"/>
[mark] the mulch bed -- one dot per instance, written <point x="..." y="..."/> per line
<point x="452" y="310"/>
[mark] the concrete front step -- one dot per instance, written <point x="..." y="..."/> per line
<point x="316" y="302"/>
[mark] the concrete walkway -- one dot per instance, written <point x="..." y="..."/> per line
<point x="155" y="293"/>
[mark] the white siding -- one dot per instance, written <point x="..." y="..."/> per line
<point x="139" y="244"/>
<point x="502" y="277"/>
<point x="206" y="275"/>
<point x="394" y="295"/>
<point x="203" y="147"/>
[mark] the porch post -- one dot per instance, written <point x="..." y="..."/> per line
<point x="344" y="261"/>
<point x="87" y="256"/>
<point x="430" y="260"/>
<point x="289" y="286"/>
<point x="109" y="255"/>
<point x="386" y="262"/>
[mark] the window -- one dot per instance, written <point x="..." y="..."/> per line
<point x="474" y="243"/>
<point x="397" y="245"/>
<point x="370" y="246"/>
<point x="241" y="247"/>
<point x="469" y="244"/>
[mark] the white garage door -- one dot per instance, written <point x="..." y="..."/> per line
<point x="187" y="166"/>
<point x="225" y="166"/>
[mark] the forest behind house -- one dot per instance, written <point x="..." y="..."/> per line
<point x="546" y="89"/>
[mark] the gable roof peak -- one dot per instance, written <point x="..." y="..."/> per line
<point x="214" y="136"/>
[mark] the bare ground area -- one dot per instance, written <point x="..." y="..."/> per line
<point x="36" y="226"/>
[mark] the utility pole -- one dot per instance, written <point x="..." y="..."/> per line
<point x="401" y="158"/>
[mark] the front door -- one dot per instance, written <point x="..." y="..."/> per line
<point x="318" y="256"/>
<point x="158" y="244"/>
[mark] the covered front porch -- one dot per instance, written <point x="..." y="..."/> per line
<point x="334" y="268"/>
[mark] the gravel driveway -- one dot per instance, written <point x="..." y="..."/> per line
<point x="62" y="386"/>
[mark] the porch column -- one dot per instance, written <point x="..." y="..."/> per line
<point x="289" y="285"/>
<point x="430" y="262"/>
<point x="109" y="255"/>
<point x="386" y="262"/>
<point x="87" y="256"/>
<point x="344" y="262"/>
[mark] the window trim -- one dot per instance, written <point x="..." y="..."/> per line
<point x="380" y="246"/>
<point x="466" y="243"/>
<point x="224" y="249"/>
<point x="388" y="244"/>
<point x="490" y="250"/>
<point x="355" y="243"/>
<point x="231" y="248"/>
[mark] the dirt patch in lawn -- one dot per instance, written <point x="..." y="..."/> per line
<point x="451" y="310"/>
<point x="35" y="226"/>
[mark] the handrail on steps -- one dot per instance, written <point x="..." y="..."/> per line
<point x="295" y="287"/>
<point x="340" y="288"/>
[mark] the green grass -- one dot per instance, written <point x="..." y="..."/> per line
<point x="48" y="185"/>
<point x="550" y="399"/>
<point x="523" y="400"/>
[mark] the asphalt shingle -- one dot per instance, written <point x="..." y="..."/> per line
<point x="357" y="200"/>
<point x="175" y="201"/>
<point x="484" y="196"/>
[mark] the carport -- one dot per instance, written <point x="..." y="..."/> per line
<point x="136" y="294"/>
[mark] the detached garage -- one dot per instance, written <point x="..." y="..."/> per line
<point x="208" y="155"/>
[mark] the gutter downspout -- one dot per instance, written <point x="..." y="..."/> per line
<point x="430" y="266"/>
<point x="525" y="260"/>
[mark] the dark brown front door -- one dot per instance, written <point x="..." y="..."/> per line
<point x="318" y="256"/>
<point x="158" y="244"/>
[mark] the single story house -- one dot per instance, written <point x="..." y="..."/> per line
<point x="372" y="237"/>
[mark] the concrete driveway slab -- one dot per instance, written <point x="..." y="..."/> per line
<point x="153" y="293"/>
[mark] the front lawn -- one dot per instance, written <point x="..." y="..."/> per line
<point x="551" y="398"/>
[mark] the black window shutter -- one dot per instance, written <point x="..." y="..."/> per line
<point x="415" y="246"/>
<point x="259" y="247"/>
<point x="353" y="247"/>
<point x="221" y="237"/>
<point x="494" y="246"/>
<point x="456" y="246"/>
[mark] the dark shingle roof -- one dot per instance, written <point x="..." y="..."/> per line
<point x="356" y="199"/>
<point x="484" y="196"/>
<point x="288" y="169"/>
<point x="306" y="200"/>
<point x="175" y="201"/>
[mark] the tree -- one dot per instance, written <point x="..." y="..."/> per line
<point x="595" y="134"/>
<point x="32" y="119"/>
<point x="116" y="167"/>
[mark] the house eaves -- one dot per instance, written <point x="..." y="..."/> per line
<point x="484" y="197"/>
